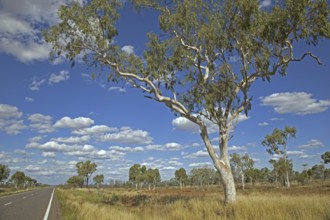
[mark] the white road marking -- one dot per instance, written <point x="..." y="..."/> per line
<point x="49" y="205"/>
<point x="8" y="203"/>
<point x="24" y="197"/>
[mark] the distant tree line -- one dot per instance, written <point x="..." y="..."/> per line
<point x="17" y="180"/>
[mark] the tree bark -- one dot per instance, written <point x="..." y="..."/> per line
<point x="221" y="164"/>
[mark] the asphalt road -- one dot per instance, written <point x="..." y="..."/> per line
<point x="30" y="205"/>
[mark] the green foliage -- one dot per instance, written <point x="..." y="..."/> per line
<point x="86" y="169"/>
<point x="76" y="181"/>
<point x="140" y="174"/>
<point x="202" y="176"/>
<point x="326" y="157"/>
<point x="4" y="173"/>
<point x="279" y="138"/>
<point x="98" y="179"/>
<point x="18" y="178"/>
<point x="181" y="176"/>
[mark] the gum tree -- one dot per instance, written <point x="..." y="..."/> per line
<point x="189" y="66"/>
<point x="241" y="165"/>
<point x="277" y="144"/>
<point x="4" y="173"/>
<point x="86" y="169"/>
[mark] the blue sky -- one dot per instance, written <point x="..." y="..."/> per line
<point x="53" y="116"/>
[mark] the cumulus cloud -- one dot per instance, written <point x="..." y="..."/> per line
<point x="312" y="144"/>
<point x="36" y="83"/>
<point x="74" y="123"/>
<point x="166" y="147"/>
<point x="126" y="149"/>
<point x="200" y="153"/>
<point x="263" y="124"/>
<point x="72" y="140"/>
<point x="48" y="154"/>
<point x="19" y="27"/>
<point x="237" y="148"/>
<point x="97" y="129"/>
<point x="300" y="103"/>
<point x="117" y="89"/>
<point x="128" y="136"/>
<point x="41" y="123"/>
<point x="29" y="99"/>
<point x="129" y="49"/>
<point x="10" y="119"/>
<point x="61" y="76"/>
<point x="202" y="164"/>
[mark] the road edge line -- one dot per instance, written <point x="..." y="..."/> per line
<point x="49" y="205"/>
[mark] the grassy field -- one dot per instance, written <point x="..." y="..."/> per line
<point x="261" y="202"/>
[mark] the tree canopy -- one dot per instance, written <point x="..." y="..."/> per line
<point x="4" y="173"/>
<point x="188" y="66"/>
<point x="86" y="169"/>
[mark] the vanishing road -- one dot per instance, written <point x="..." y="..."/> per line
<point x="32" y="205"/>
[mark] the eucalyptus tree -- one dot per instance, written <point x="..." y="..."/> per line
<point x="275" y="141"/>
<point x="86" y="169"/>
<point x="189" y="65"/>
<point x="4" y="173"/>
<point x="98" y="180"/>
<point x="241" y="165"/>
<point x="326" y="157"/>
<point x="181" y="176"/>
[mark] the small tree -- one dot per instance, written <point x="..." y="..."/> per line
<point x="76" y="181"/>
<point x="134" y="173"/>
<point x="18" y="179"/>
<point x="181" y="176"/>
<point x="98" y="180"/>
<point x="326" y="157"/>
<point x="277" y="139"/>
<point x="4" y="173"/>
<point x="153" y="177"/>
<point x="86" y="169"/>
<point x="241" y="165"/>
<point x="188" y="67"/>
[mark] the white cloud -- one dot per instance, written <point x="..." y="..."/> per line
<point x="20" y="24"/>
<point x="41" y="123"/>
<point x="74" y="123"/>
<point x="48" y="154"/>
<point x="299" y="103"/>
<point x="29" y="99"/>
<point x="200" y="153"/>
<point x="10" y="119"/>
<point x="263" y="124"/>
<point x="203" y="164"/>
<point x="72" y="140"/>
<point x="172" y="146"/>
<point x="61" y="76"/>
<point x="166" y="147"/>
<point x="117" y="89"/>
<point x="127" y="149"/>
<point x="127" y="135"/>
<point x="129" y="49"/>
<point x="97" y="129"/>
<point x="9" y="111"/>
<point x="36" y="83"/>
<point x="295" y="153"/>
<point x="312" y="144"/>
<point x="237" y="148"/>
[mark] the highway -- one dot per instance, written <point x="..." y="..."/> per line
<point x="34" y="205"/>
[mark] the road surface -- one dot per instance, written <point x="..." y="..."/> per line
<point x="32" y="205"/>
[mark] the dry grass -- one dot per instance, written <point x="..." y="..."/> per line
<point x="190" y="204"/>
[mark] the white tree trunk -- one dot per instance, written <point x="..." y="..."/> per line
<point x="221" y="164"/>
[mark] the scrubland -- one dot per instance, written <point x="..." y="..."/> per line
<point x="257" y="202"/>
